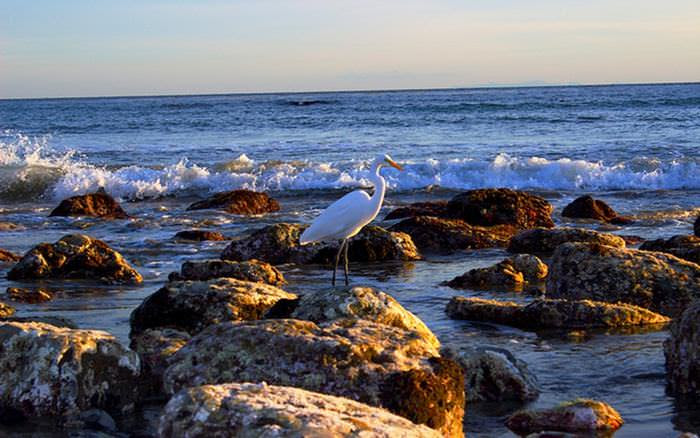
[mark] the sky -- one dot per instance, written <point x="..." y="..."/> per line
<point x="99" y="48"/>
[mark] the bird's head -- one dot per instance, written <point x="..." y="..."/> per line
<point x="385" y="160"/>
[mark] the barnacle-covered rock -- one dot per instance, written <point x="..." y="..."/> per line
<point x="545" y="241"/>
<point x="98" y="204"/>
<point x="245" y="202"/>
<point x="249" y="270"/>
<point x="580" y="415"/>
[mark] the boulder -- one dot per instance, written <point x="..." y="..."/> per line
<point x="190" y="306"/>
<point x="155" y="347"/>
<point x="31" y="296"/>
<point x="511" y="273"/>
<point x="433" y="208"/>
<point x="545" y="241"/>
<point x="199" y="235"/>
<point x="6" y="310"/>
<point x="696" y="227"/>
<point x="360" y="303"/>
<point x="682" y="351"/>
<point x="250" y="270"/>
<point x="246" y="202"/>
<point x="53" y="371"/>
<point x="75" y="256"/>
<point x="552" y="314"/>
<point x="585" y="207"/>
<point x="279" y="244"/>
<point x="494" y="374"/>
<point x="98" y="204"/>
<point x="361" y="360"/>
<point x="580" y="415"/>
<point x="440" y="235"/>
<point x="488" y="207"/>
<point x="653" y="280"/>
<point x="685" y="247"/>
<point x="261" y="410"/>
<point x="7" y="256"/>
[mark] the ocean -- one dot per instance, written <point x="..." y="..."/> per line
<point x="633" y="146"/>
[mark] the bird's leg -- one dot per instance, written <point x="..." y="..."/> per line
<point x="337" y="260"/>
<point x="347" y="245"/>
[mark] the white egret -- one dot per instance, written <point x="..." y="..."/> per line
<point x="345" y="217"/>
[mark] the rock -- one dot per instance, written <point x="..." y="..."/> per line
<point x="585" y="207"/>
<point x="434" y="208"/>
<point x="199" y="235"/>
<point x="552" y="314"/>
<point x="682" y="351"/>
<point x="155" y="347"/>
<point x="57" y="321"/>
<point x="653" y="280"/>
<point x="364" y="361"/>
<point x="685" y="247"/>
<point x="98" y="204"/>
<point x="7" y="256"/>
<point x="494" y="374"/>
<point x="261" y="410"/>
<point x="502" y="274"/>
<point x="432" y="234"/>
<point x="75" y="256"/>
<point x="696" y="226"/>
<point x="9" y="226"/>
<point x="545" y="241"/>
<point x="533" y="269"/>
<point x="250" y="270"/>
<point x="279" y="244"/>
<point x="190" y="306"/>
<point x="488" y="207"/>
<point x="97" y="419"/>
<point x="361" y="303"/>
<point x="31" y="296"/>
<point x="580" y="415"/>
<point x="245" y="202"/>
<point x="52" y="371"/>
<point x="6" y="310"/>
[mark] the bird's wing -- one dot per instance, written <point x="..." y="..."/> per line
<point x="345" y="214"/>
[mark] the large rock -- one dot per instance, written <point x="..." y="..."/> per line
<point x="261" y="410"/>
<point x="580" y="415"/>
<point x="510" y="273"/>
<point x="433" y="208"/>
<point x="682" y="350"/>
<point x="552" y="314"/>
<point x="653" y="280"/>
<point x="585" y="207"/>
<point x="279" y="244"/>
<point x="364" y="361"/>
<point x="75" y="256"/>
<point x="245" y="202"/>
<point x="545" y="241"/>
<point x="685" y="247"/>
<point x="155" y="347"/>
<point x="250" y="270"/>
<point x="98" y="204"/>
<point x="494" y="374"/>
<point x="199" y="235"/>
<point x="361" y="303"/>
<point x="191" y="306"/>
<point x="47" y="370"/>
<point x="7" y="256"/>
<point x="501" y="206"/>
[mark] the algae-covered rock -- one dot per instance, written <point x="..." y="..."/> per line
<point x="31" y="296"/>
<point x="580" y="415"/>
<point x="494" y="374"/>
<point x="552" y="314"/>
<point x="501" y="206"/>
<point x="98" y="204"/>
<point x="545" y="241"/>
<point x="245" y="202"/>
<point x="261" y="410"/>
<point x="75" y="256"/>
<point x="362" y="303"/>
<point x="250" y="270"/>
<point x="155" y="347"/>
<point x="368" y="362"/>
<point x="48" y="370"/>
<point x="191" y="306"/>
<point x="199" y="235"/>
<point x="7" y="256"/>
<point x="432" y="208"/>
<point x="585" y="207"/>
<point x="685" y="247"/>
<point x="653" y="280"/>
<point x="682" y="350"/>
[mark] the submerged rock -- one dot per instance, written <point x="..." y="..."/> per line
<point x="552" y="314"/>
<point x="682" y="351"/>
<point x="250" y="409"/>
<point x="191" y="306"/>
<point x="98" y="204"/>
<point x="585" y="207"/>
<point x="199" y="235"/>
<point x="494" y="374"/>
<point x="653" y="280"/>
<point x="47" y="370"/>
<point x="488" y="207"/>
<point x="364" y="361"/>
<point x="580" y="415"/>
<point x="7" y="256"/>
<point x="685" y="247"/>
<point x="246" y="202"/>
<point x="545" y="241"/>
<point x="31" y="296"/>
<point x="510" y="273"/>
<point x="433" y="208"/>
<point x="6" y="310"/>
<point x="75" y="256"/>
<point x="250" y="270"/>
<point x="9" y="226"/>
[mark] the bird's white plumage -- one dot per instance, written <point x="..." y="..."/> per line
<point x="343" y="218"/>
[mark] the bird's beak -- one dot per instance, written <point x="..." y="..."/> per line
<point x="394" y="164"/>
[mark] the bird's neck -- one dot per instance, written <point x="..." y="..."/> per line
<point x="379" y="188"/>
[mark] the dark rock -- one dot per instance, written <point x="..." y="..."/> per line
<point x="155" y="347"/>
<point x="57" y="321"/>
<point x="31" y="296"/>
<point x="682" y="351"/>
<point x="652" y="280"/>
<point x="580" y="415"/>
<point x="199" y="235"/>
<point x="696" y="227"/>
<point x="545" y="241"/>
<point x="489" y="207"/>
<point x="435" y="208"/>
<point x="97" y="419"/>
<point x="7" y="256"/>
<point x="98" y="204"/>
<point x="245" y="202"/>
<point x="75" y="256"/>
<point x="511" y="273"/>
<point x="685" y="247"/>
<point x="585" y="207"/>
<point x="250" y="270"/>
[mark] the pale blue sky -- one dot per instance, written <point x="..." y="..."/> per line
<point x="91" y="48"/>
